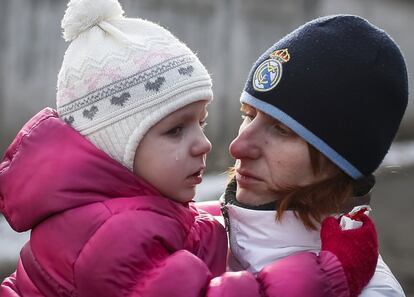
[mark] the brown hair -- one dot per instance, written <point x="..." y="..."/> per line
<point x="312" y="202"/>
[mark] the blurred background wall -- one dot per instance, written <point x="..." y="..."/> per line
<point x="228" y="36"/>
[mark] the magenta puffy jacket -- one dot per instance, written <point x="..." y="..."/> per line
<point x="97" y="230"/>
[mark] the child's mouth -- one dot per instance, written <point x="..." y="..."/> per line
<point x="195" y="178"/>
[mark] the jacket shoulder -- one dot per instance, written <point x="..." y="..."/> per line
<point x="126" y="247"/>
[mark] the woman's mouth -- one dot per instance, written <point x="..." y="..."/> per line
<point x="244" y="178"/>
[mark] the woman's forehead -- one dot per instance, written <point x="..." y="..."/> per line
<point x="248" y="108"/>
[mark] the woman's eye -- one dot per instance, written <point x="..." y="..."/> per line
<point x="246" y="116"/>
<point x="176" y="131"/>
<point x="284" y="131"/>
<point x="203" y="124"/>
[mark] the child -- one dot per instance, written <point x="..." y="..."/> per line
<point x="105" y="183"/>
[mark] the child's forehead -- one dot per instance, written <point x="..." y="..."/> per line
<point x="190" y="111"/>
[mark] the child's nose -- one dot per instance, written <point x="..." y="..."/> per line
<point x="246" y="144"/>
<point x="202" y="146"/>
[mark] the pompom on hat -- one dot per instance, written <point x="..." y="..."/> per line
<point x="82" y="15"/>
<point x="340" y="83"/>
<point x="120" y="76"/>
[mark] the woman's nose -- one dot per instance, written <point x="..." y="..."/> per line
<point x="202" y="146"/>
<point x="245" y="145"/>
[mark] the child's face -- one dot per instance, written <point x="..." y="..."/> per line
<point x="172" y="155"/>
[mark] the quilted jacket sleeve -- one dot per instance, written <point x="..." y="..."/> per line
<point x="305" y="274"/>
<point x="8" y="287"/>
<point x="129" y="251"/>
<point x="150" y="261"/>
<point x="211" y="242"/>
<point x="147" y="259"/>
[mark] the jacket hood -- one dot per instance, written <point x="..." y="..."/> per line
<point x="50" y="167"/>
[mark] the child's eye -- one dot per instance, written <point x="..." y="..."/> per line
<point x="176" y="131"/>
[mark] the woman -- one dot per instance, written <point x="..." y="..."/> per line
<point x="320" y="109"/>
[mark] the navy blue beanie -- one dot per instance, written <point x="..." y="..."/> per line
<point x="340" y="83"/>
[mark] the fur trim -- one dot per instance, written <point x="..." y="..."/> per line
<point x="81" y="15"/>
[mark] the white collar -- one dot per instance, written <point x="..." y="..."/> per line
<point x="256" y="238"/>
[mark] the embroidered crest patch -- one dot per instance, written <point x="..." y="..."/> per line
<point x="269" y="72"/>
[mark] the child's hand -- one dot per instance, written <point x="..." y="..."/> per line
<point x="356" y="249"/>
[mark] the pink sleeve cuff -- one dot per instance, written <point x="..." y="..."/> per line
<point x="304" y="274"/>
<point x="234" y="284"/>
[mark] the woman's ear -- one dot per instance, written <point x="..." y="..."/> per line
<point x="363" y="185"/>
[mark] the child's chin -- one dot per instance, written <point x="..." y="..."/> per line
<point x="184" y="197"/>
<point x="182" y="200"/>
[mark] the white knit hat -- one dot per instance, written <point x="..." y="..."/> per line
<point x="120" y="76"/>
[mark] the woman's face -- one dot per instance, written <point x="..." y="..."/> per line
<point x="269" y="156"/>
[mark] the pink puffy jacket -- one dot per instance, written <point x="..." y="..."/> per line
<point x="97" y="230"/>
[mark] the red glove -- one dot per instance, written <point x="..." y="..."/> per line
<point x="356" y="249"/>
